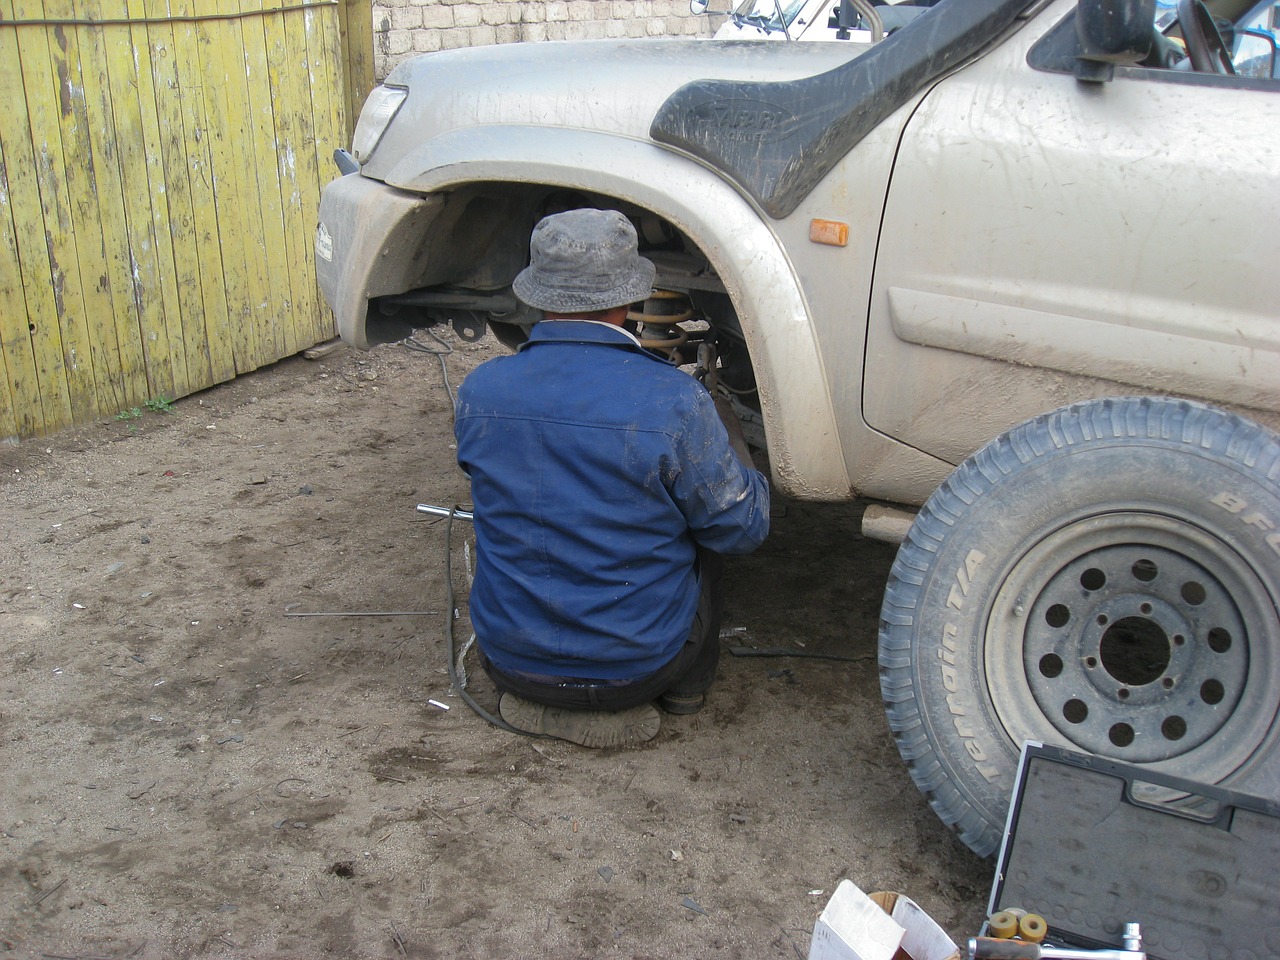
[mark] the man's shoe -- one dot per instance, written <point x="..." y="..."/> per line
<point x="589" y="728"/>
<point x="682" y="704"/>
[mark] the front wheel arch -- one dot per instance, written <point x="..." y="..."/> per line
<point x="737" y="239"/>
<point x="1134" y="524"/>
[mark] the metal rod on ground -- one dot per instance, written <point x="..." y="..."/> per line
<point x="366" y="613"/>
<point x="739" y="651"/>
<point x="444" y="511"/>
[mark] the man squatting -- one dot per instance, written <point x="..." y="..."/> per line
<point x="606" y="489"/>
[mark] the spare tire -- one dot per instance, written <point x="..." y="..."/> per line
<point x="1105" y="578"/>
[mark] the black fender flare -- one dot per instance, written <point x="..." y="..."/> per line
<point x="776" y="140"/>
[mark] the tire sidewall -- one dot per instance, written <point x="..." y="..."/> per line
<point x="1008" y="498"/>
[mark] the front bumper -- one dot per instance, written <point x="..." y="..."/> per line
<point x="369" y="243"/>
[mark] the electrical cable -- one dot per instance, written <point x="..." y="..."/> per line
<point x="461" y="659"/>
<point x="738" y="391"/>
<point x="411" y="343"/>
<point x="177" y="18"/>
<point x="451" y="660"/>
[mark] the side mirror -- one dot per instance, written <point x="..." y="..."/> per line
<point x="1110" y="32"/>
<point x="1256" y="55"/>
<point x="698" y="7"/>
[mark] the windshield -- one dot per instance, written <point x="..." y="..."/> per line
<point x="764" y="13"/>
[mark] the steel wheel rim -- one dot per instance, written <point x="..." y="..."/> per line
<point x="1083" y="645"/>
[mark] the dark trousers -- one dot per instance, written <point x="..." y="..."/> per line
<point x="689" y="673"/>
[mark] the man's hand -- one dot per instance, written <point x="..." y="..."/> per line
<point x="737" y="440"/>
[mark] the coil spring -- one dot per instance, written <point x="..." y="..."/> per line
<point x="660" y="320"/>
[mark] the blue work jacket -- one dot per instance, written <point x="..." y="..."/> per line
<point x="596" y="467"/>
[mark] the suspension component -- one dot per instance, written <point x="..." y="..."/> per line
<point x="707" y="372"/>
<point x="660" y="320"/>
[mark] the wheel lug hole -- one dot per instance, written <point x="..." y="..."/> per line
<point x="1212" y="692"/>
<point x="1093" y="579"/>
<point x="1121" y="735"/>
<point x="1145" y="609"/>
<point x="1123" y="693"/>
<point x="1075" y="711"/>
<point x="1194" y="593"/>
<point x="1102" y="619"/>
<point x="1173" y="728"/>
<point x="1145" y="570"/>
<point x="1050" y="665"/>
<point x="1167" y="683"/>
<point x="1091" y="662"/>
<point x="1219" y="640"/>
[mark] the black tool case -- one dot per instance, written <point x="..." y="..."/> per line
<point x="1091" y="844"/>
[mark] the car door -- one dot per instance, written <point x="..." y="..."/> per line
<point x="1047" y="240"/>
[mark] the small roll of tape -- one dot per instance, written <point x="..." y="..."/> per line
<point x="1032" y="927"/>
<point x="1003" y="925"/>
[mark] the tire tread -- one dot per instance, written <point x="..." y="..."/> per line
<point x="1143" y="419"/>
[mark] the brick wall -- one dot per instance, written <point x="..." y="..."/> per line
<point x="403" y="28"/>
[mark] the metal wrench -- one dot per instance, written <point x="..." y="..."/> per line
<point x="990" y="948"/>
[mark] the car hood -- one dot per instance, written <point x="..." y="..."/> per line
<point x="611" y="86"/>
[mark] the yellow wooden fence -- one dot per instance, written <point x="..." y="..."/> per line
<point x="160" y="167"/>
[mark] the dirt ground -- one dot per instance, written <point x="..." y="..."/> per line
<point x="193" y="768"/>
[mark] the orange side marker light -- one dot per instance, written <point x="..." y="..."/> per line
<point x="831" y="232"/>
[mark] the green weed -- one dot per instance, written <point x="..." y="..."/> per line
<point x="157" y="404"/>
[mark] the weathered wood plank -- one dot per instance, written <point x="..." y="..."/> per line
<point x="293" y="77"/>
<point x="293" y="129"/>
<point x="19" y="394"/>
<point x="85" y="300"/>
<point x="22" y="413"/>
<point x="356" y="24"/>
<point x="194" y="139"/>
<point x="174" y="150"/>
<point x="241" y="253"/>
<point x="124" y="83"/>
<point x="324" y="47"/>
<point x="97" y="215"/>
<point x="271" y="316"/>
<point x="61" y="337"/>
<point x="70" y="61"/>
<point x="324" y="57"/>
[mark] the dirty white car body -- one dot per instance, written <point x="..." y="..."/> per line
<point x="904" y="250"/>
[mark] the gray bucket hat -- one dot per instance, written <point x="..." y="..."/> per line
<point x="584" y="261"/>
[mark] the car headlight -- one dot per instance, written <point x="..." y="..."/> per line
<point x="374" y="120"/>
